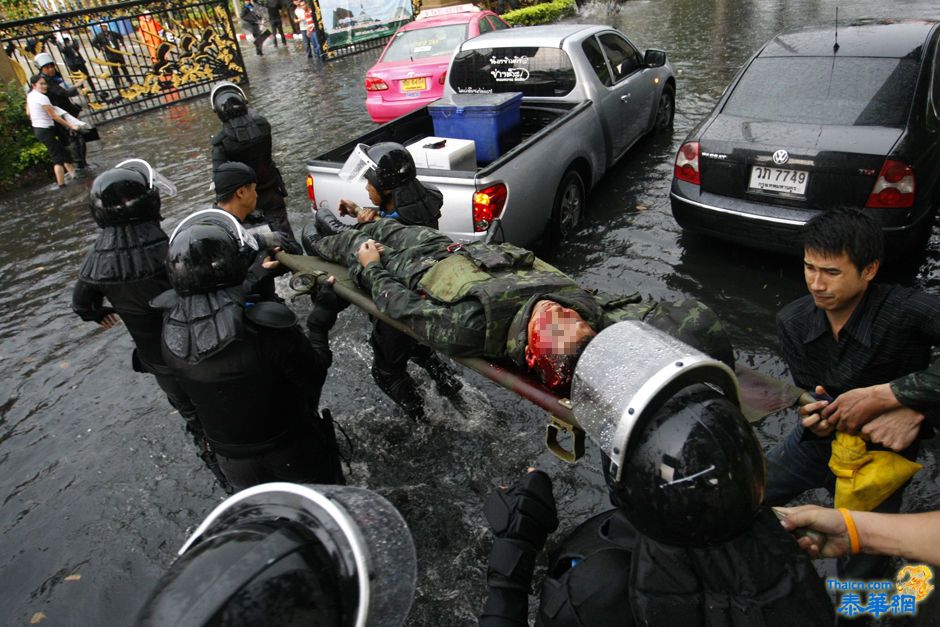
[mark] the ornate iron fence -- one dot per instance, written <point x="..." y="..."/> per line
<point x="133" y="56"/>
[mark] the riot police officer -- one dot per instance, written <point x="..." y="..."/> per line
<point x="288" y="554"/>
<point x="126" y="266"/>
<point x="688" y="542"/>
<point x="389" y="172"/>
<point x="252" y="375"/>
<point x="246" y="138"/>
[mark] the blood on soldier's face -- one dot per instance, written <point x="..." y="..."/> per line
<point x="554" y="329"/>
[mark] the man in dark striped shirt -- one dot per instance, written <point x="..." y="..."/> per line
<point x="865" y="345"/>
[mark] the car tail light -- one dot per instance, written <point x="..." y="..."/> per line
<point x="487" y="206"/>
<point x="687" y="164"/>
<point x="310" y="193"/>
<point x="894" y="187"/>
<point x="443" y="78"/>
<point x="375" y="84"/>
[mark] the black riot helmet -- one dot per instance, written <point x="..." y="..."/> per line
<point x="680" y="459"/>
<point x="386" y="165"/>
<point x="128" y="193"/>
<point x="209" y="250"/>
<point x="228" y="101"/>
<point x="290" y="554"/>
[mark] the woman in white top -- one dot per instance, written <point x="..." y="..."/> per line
<point x="50" y="128"/>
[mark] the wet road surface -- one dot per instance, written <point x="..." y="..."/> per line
<point x="98" y="479"/>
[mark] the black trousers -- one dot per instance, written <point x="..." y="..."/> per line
<point x="392" y="349"/>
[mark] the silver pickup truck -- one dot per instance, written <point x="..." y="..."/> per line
<point x="588" y="96"/>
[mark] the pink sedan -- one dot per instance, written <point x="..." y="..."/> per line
<point x="412" y="69"/>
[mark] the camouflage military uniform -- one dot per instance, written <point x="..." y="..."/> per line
<point x="476" y="299"/>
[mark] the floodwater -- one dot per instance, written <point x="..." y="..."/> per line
<point x="100" y="487"/>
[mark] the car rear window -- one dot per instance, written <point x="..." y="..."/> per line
<point x="848" y="91"/>
<point x="409" y="45"/>
<point x="533" y="71"/>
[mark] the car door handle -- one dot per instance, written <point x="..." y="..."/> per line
<point x="625" y="98"/>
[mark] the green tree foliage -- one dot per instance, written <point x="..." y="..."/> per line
<point x="544" y="13"/>
<point x="22" y="150"/>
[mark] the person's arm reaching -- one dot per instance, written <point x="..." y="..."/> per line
<point x="88" y="303"/>
<point x="911" y="536"/>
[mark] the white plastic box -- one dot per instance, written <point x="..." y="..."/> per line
<point x="444" y="153"/>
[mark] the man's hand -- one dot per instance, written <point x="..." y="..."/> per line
<point x="269" y="262"/>
<point x="524" y="512"/>
<point x="111" y="320"/>
<point x="811" y="413"/>
<point x="896" y="429"/>
<point x="366" y="214"/>
<point x="855" y="408"/>
<point x="348" y="208"/>
<point x="822" y="519"/>
<point x="369" y="252"/>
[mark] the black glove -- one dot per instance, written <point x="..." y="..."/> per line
<point x="326" y="306"/>
<point x="524" y="512"/>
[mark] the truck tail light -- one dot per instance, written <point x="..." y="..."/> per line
<point x="375" y="84"/>
<point x="310" y="193"/>
<point x="894" y="187"/>
<point x="687" y="164"/>
<point x="488" y="204"/>
<point x="443" y="78"/>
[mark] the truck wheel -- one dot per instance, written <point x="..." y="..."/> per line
<point x="569" y="205"/>
<point x="666" y="112"/>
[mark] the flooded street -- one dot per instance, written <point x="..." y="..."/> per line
<point x="97" y="478"/>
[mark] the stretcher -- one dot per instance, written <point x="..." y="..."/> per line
<point x="760" y="395"/>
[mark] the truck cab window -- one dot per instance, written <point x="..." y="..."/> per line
<point x="623" y="57"/>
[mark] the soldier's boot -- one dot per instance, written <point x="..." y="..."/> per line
<point x="401" y="388"/>
<point x="445" y="377"/>
<point x="324" y="223"/>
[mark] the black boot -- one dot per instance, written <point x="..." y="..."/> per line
<point x="401" y="388"/>
<point x="445" y="377"/>
<point x="308" y="237"/>
<point x="328" y="224"/>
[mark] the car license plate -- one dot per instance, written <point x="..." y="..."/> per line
<point x="778" y="181"/>
<point x="414" y="84"/>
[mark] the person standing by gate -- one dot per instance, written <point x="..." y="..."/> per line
<point x="277" y="23"/>
<point x="46" y="123"/>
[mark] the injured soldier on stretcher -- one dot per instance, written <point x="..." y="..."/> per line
<point x="499" y="301"/>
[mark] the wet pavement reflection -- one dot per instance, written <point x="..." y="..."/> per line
<point x="98" y="478"/>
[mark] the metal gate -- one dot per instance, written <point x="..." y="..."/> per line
<point x="133" y="56"/>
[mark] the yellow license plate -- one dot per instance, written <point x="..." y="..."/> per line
<point x="414" y="84"/>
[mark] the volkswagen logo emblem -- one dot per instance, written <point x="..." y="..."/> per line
<point x="781" y="157"/>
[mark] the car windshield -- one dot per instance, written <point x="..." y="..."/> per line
<point x="533" y="71"/>
<point x="848" y="91"/>
<point x="409" y="45"/>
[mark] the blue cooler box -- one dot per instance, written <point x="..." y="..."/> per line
<point x="490" y="120"/>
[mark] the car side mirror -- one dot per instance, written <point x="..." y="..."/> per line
<point x="654" y="58"/>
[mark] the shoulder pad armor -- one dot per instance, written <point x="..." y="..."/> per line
<point x="270" y="314"/>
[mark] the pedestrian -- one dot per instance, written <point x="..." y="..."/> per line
<point x="111" y="43"/>
<point x="301" y="12"/>
<point x="865" y="345"/>
<point x="60" y="94"/>
<point x="688" y="541"/>
<point x="74" y="60"/>
<point x="286" y="554"/>
<point x="127" y="266"/>
<point x="389" y="173"/>
<point x="498" y="301"/>
<point x="277" y="24"/>
<point x="253" y="21"/>
<point x="254" y="378"/>
<point x="50" y="128"/>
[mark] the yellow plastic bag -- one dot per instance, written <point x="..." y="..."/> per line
<point x="864" y="479"/>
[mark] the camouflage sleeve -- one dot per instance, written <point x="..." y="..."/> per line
<point x="921" y="390"/>
<point x="456" y="330"/>
<point x="687" y="320"/>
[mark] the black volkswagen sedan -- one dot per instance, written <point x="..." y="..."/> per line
<point x="820" y="118"/>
